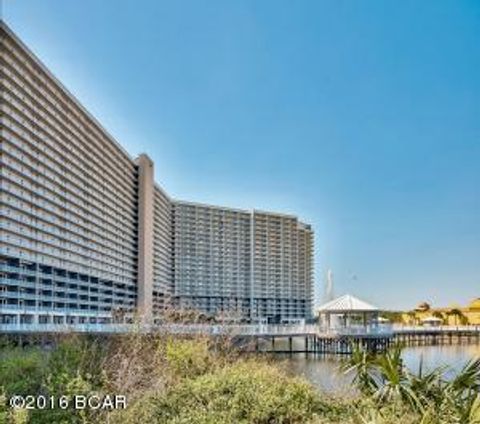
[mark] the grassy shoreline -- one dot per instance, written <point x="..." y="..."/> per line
<point x="196" y="380"/>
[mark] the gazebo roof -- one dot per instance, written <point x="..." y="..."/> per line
<point x="347" y="303"/>
<point x="432" y="319"/>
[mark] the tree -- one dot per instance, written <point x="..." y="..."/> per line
<point x="438" y="314"/>
<point x="457" y="314"/>
<point x="412" y="316"/>
<point x="423" y="307"/>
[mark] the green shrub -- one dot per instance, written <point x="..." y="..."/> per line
<point x="188" y="358"/>
<point x="246" y="392"/>
<point x="194" y="381"/>
<point x="21" y="371"/>
<point x="75" y="356"/>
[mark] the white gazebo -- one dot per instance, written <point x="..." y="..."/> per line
<point x="347" y="311"/>
<point x="432" y="321"/>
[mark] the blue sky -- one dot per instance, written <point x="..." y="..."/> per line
<point x="362" y="118"/>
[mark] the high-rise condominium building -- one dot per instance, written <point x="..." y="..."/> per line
<point x="87" y="236"/>
<point x="253" y="264"/>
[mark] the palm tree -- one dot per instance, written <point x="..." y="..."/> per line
<point x="423" y="307"/>
<point x="395" y="385"/>
<point x="361" y="364"/>
<point x="387" y="382"/>
<point x="462" y="392"/>
<point x="456" y="313"/>
<point x="412" y="316"/>
<point x="438" y="314"/>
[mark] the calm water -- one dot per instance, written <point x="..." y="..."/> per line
<point x="323" y="371"/>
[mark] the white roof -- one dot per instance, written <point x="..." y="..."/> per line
<point x="432" y="319"/>
<point x="347" y="303"/>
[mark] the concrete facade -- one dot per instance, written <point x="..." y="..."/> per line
<point x="163" y="241"/>
<point x="242" y="264"/>
<point x="87" y="236"/>
<point x="145" y="237"/>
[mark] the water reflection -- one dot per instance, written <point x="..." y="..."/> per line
<point x="324" y="373"/>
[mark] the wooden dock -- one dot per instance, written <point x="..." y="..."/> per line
<point x="312" y="344"/>
<point x="343" y="343"/>
<point x="442" y="336"/>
